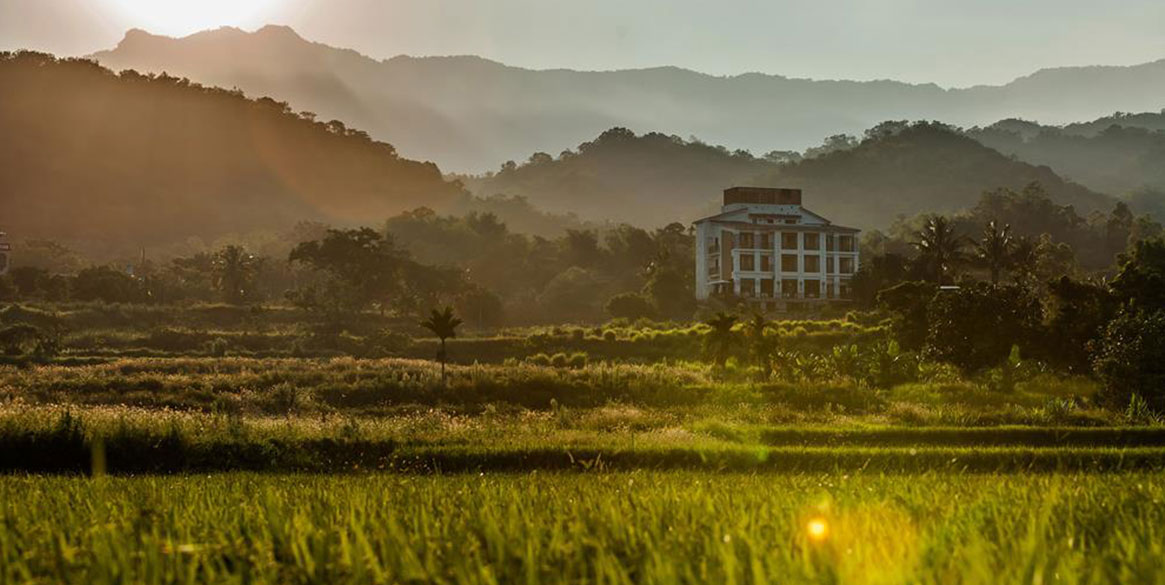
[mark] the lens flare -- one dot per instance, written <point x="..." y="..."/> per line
<point x="817" y="529"/>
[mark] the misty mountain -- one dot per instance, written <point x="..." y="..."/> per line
<point x="1123" y="154"/>
<point x="648" y="180"/>
<point x="130" y="160"/>
<point x="469" y="114"/>
<point x="897" y="169"/>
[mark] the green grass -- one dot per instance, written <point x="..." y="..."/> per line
<point x="139" y="441"/>
<point x="638" y="527"/>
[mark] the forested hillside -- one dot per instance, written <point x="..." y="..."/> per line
<point x="649" y="180"/>
<point x="896" y="169"/>
<point x="1123" y="155"/>
<point x="125" y="160"/>
<point x="901" y="169"/>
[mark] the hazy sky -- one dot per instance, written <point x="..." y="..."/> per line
<point x="950" y="42"/>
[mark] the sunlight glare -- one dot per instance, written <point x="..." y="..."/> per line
<point x="181" y="17"/>
<point x="817" y="529"/>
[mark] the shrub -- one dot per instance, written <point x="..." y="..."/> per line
<point x="976" y="326"/>
<point x="1131" y="359"/>
<point x="577" y="360"/>
<point x="630" y="306"/>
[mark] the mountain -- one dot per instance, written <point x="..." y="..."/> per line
<point x="897" y="169"/>
<point x="921" y="167"/>
<point x="1121" y="154"/>
<point x="648" y="180"/>
<point x="468" y="114"/>
<point x="128" y="160"/>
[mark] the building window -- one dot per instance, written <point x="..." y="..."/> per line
<point x="789" y="288"/>
<point x="789" y="241"/>
<point x="843" y="290"/>
<point x="791" y="221"/>
<point x="847" y="265"/>
<point x="747" y="262"/>
<point x="747" y="287"/>
<point x="766" y="241"/>
<point x="788" y="263"/>
<point x="766" y="263"/>
<point x="813" y="264"/>
<point x="812" y="241"/>
<point x="828" y="289"/>
<point x="829" y="243"/>
<point x="812" y="289"/>
<point x="746" y="239"/>
<point x="829" y="265"/>
<point x="846" y="243"/>
<point x="766" y="287"/>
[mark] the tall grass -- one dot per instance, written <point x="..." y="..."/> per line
<point x="648" y="528"/>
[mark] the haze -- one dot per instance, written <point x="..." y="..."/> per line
<point x="952" y="43"/>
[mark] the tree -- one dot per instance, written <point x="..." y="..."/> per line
<point x="671" y="294"/>
<point x="31" y="281"/>
<point x="629" y="305"/>
<point x="720" y="340"/>
<point x="1140" y="280"/>
<point x="573" y="295"/>
<point x="976" y="326"/>
<point x="362" y="266"/>
<point x="444" y="325"/>
<point x="760" y="345"/>
<point x="994" y="251"/>
<point x="1078" y="314"/>
<point x="878" y="273"/>
<point x="1130" y="359"/>
<point x="102" y="283"/>
<point x="234" y="272"/>
<point x="940" y="249"/>
<point x="907" y="304"/>
<point x="482" y="307"/>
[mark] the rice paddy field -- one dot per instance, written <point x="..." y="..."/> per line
<point x="595" y="527"/>
<point x="341" y="470"/>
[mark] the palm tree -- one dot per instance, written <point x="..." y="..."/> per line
<point x="995" y="249"/>
<point x="234" y="271"/>
<point x="444" y="325"/>
<point x="718" y="342"/>
<point x="759" y="346"/>
<point x="939" y="247"/>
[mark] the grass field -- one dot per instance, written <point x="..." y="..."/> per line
<point x="204" y="469"/>
<point x="634" y="527"/>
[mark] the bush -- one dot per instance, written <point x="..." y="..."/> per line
<point x="629" y="306"/>
<point x="976" y="326"/>
<point x="1130" y="359"/>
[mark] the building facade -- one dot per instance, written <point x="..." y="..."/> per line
<point x="766" y="248"/>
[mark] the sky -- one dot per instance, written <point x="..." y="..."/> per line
<point x="954" y="43"/>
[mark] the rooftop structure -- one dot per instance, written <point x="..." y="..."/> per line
<point x="765" y="247"/>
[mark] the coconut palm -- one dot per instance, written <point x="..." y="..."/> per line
<point x="234" y="273"/>
<point x="940" y="249"/>
<point x="719" y="342"/>
<point x="995" y="249"/>
<point x="444" y="325"/>
<point x="760" y="347"/>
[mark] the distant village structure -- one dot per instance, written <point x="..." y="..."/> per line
<point x="766" y="248"/>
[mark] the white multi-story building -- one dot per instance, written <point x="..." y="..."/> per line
<point x="765" y="247"/>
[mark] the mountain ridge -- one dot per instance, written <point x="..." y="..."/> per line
<point x="470" y="113"/>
